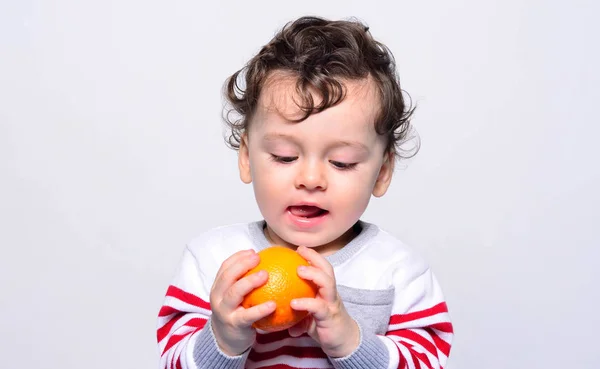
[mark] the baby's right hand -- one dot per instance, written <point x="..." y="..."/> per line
<point x="231" y="323"/>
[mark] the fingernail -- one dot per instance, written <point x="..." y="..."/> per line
<point x="294" y="302"/>
<point x="270" y="305"/>
<point x="301" y="269"/>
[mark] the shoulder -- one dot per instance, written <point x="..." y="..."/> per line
<point x="383" y="260"/>
<point x="211" y="247"/>
<point x="397" y="253"/>
<point x="222" y="237"/>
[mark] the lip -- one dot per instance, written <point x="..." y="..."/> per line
<point x="308" y="203"/>
<point x="307" y="223"/>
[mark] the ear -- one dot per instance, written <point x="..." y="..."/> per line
<point x="244" y="160"/>
<point x="385" y="175"/>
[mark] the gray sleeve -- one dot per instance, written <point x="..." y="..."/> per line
<point x="371" y="353"/>
<point x="208" y="355"/>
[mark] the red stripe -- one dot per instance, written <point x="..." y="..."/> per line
<point x="420" y="340"/>
<point x="172" y="362"/>
<point x="198" y="323"/>
<point x="421" y="356"/>
<point x="163" y="331"/>
<point x="295" y="351"/>
<point x="444" y="327"/>
<point x="173" y="340"/>
<point x="178" y="364"/>
<point x="187" y="297"/>
<point x="281" y="366"/>
<point x="442" y="345"/>
<point x="402" y="362"/>
<point x="403" y="318"/>
<point x="274" y="337"/>
<point x="166" y="310"/>
<point x="414" y="358"/>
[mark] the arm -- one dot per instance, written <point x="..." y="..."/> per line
<point x="419" y="334"/>
<point x="184" y="334"/>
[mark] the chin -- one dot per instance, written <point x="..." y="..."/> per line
<point x="310" y="240"/>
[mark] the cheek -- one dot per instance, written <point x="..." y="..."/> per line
<point x="353" y="193"/>
<point x="269" y="183"/>
<point x="266" y="172"/>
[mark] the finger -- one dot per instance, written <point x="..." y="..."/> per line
<point x="315" y="259"/>
<point x="326" y="283"/>
<point x="317" y="307"/>
<point x="300" y="328"/>
<point x="234" y="270"/>
<point x="234" y="295"/>
<point x="234" y="259"/>
<point x="245" y="317"/>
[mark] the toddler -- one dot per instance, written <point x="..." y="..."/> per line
<point x="320" y="123"/>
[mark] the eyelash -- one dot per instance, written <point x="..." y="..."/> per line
<point x="343" y="166"/>
<point x="283" y="159"/>
<point x="290" y="159"/>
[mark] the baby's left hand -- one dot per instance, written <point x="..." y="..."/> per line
<point x="328" y="323"/>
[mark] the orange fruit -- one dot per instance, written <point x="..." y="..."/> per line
<point x="282" y="286"/>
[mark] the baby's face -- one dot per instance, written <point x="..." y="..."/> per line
<point x="313" y="179"/>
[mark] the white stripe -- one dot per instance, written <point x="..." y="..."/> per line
<point x="441" y="358"/>
<point x="187" y="361"/>
<point x="183" y="318"/>
<point x="291" y="361"/>
<point x="162" y="320"/>
<point x="447" y="337"/>
<point x="290" y="341"/>
<point x="407" y="357"/>
<point x="433" y="359"/>
<point x="174" y="329"/>
<point x="185" y="349"/>
<point x="424" y="365"/>
<point x="425" y="335"/>
<point x="185" y="329"/>
<point x="422" y="322"/>
<point x="165" y="360"/>
<point x="176" y="350"/>
<point x="420" y="349"/>
<point x="393" y="352"/>
<point x="183" y="306"/>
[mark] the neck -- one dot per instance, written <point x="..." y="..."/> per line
<point x="325" y="249"/>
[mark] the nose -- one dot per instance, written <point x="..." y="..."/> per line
<point x="311" y="176"/>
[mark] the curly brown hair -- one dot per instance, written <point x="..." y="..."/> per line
<point x="321" y="54"/>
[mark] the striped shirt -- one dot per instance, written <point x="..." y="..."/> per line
<point x="388" y="289"/>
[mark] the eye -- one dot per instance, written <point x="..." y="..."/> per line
<point x="343" y="166"/>
<point x="283" y="159"/>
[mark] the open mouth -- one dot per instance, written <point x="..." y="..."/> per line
<point x="307" y="211"/>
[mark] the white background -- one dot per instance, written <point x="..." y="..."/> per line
<point x="111" y="158"/>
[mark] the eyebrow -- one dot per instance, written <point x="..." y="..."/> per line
<point x="279" y="136"/>
<point x="340" y="143"/>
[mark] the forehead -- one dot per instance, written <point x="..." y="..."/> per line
<point x="278" y="107"/>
